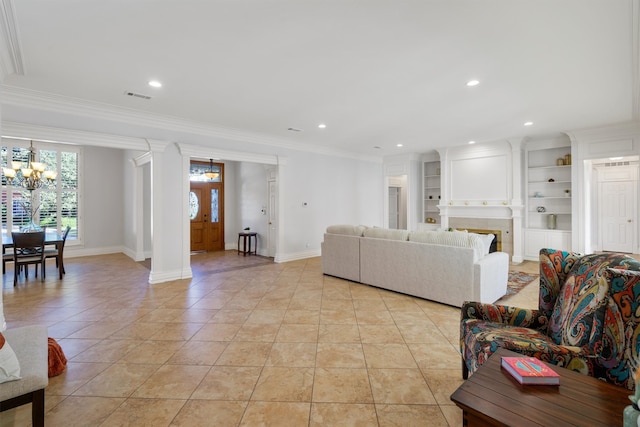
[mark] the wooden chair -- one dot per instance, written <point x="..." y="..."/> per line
<point x="57" y="253"/>
<point x="28" y="248"/>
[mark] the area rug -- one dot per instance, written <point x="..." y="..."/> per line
<point x="518" y="280"/>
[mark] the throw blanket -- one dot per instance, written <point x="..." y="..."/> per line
<point x="57" y="359"/>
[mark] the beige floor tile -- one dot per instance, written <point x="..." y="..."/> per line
<point x="337" y="317"/>
<point x="340" y="385"/>
<point x="230" y="316"/>
<point x="311" y="317"/>
<point x="369" y="317"/>
<point x="400" y="386"/>
<point x="380" y="334"/>
<point x="245" y="354"/>
<point x="217" y="332"/>
<point x="228" y="383"/>
<point x="434" y="355"/>
<point x="280" y="384"/>
<point x="265" y="316"/>
<point x="209" y="413"/>
<point x="292" y="354"/>
<point x="383" y="356"/>
<point x="343" y="414"/>
<point x="340" y="355"/>
<point x="148" y="412"/>
<point x="262" y="332"/>
<point x="152" y="352"/>
<point x="73" y="377"/>
<point x="198" y="353"/>
<point x="118" y="380"/>
<point x="443" y="382"/>
<point x="339" y="333"/>
<point x="82" y="411"/>
<point x="107" y="351"/>
<point x="274" y="414"/>
<point x="172" y="382"/>
<point x="410" y="415"/>
<point x="298" y="333"/>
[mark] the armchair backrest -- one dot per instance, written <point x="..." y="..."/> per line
<point x="595" y="299"/>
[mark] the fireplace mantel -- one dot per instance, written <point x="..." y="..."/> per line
<point x="489" y="210"/>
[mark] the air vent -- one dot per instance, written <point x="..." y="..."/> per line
<point x="136" y="95"/>
<point x="613" y="164"/>
<point x="295" y="130"/>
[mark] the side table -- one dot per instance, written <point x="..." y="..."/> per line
<point x="245" y="235"/>
<point x="492" y="397"/>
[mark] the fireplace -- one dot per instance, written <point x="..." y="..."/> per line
<point x="500" y="227"/>
<point x="496" y="244"/>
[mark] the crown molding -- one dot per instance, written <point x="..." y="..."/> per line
<point x="635" y="58"/>
<point x="191" y="150"/>
<point x="10" y="50"/>
<point x="71" y="136"/>
<point x="73" y="106"/>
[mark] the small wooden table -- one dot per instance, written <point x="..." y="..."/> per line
<point x="248" y="235"/>
<point x="492" y="397"/>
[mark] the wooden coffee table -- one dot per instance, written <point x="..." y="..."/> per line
<point x="492" y="397"/>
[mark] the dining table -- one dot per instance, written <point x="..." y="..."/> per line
<point x="51" y="237"/>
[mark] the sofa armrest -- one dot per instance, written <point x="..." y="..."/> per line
<point x="514" y="316"/>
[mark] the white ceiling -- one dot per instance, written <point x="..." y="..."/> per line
<point x="377" y="72"/>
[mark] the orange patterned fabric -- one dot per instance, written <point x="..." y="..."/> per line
<point x="57" y="359"/>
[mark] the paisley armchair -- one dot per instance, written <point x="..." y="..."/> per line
<point x="586" y="319"/>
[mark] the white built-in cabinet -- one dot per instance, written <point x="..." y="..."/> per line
<point x="549" y="191"/>
<point x="431" y="173"/>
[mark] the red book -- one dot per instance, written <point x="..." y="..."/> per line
<point x="529" y="370"/>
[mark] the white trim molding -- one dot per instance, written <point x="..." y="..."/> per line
<point x="10" y="49"/>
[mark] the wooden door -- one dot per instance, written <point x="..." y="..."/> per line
<point x="206" y="202"/>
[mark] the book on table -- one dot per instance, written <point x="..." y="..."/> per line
<point x="529" y="370"/>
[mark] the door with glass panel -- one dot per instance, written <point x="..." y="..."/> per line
<point x="206" y="206"/>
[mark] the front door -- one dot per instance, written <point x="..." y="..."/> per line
<point x="206" y="209"/>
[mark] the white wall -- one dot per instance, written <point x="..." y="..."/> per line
<point x="103" y="204"/>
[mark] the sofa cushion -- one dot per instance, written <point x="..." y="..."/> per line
<point x="9" y="366"/>
<point x="578" y="315"/>
<point x="386" y="233"/>
<point x="346" y="229"/>
<point x="458" y="239"/>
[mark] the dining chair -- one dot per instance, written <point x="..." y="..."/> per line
<point x="58" y="252"/>
<point x="28" y="248"/>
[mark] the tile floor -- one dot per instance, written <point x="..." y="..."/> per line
<point x="245" y="342"/>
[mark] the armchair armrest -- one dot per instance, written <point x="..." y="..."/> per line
<point x="514" y="316"/>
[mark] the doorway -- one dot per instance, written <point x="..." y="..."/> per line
<point x="206" y="206"/>
<point x="617" y="212"/>
<point x="397" y="202"/>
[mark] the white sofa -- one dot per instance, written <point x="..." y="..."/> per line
<point x="442" y="266"/>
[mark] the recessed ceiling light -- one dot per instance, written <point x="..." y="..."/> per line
<point x="399" y="145"/>
<point x="322" y="126"/>
<point x="155" y="83"/>
<point x="616" y="158"/>
<point x="473" y="83"/>
<point x="472" y="142"/>
<point x="528" y="123"/>
<point x="377" y="147"/>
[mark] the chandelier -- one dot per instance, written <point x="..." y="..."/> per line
<point x="211" y="174"/>
<point x="32" y="176"/>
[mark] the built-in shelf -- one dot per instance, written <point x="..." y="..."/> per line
<point x="431" y="186"/>
<point x="548" y="186"/>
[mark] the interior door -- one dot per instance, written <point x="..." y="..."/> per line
<point x="206" y="206"/>
<point x="617" y="215"/>
<point x="273" y="203"/>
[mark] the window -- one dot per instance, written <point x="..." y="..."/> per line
<point x="55" y="205"/>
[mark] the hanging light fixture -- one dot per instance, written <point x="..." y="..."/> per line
<point x="211" y="174"/>
<point x="32" y="176"/>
